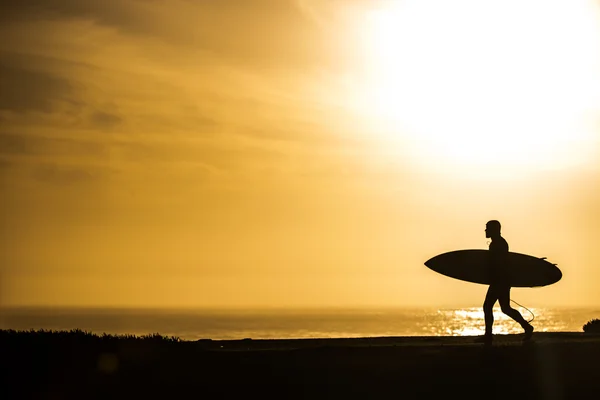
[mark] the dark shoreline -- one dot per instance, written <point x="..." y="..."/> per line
<point x="38" y="364"/>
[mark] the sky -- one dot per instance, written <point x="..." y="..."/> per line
<point x="294" y="153"/>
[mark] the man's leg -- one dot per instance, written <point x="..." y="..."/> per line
<point x="504" y="299"/>
<point x="488" y="309"/>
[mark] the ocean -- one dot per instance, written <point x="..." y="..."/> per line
<point x="290" y="323"/>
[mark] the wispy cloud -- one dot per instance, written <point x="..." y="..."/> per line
<point x="237" y="85"/>
<point x="59" y="174"/>
<point x="29" y="90"/>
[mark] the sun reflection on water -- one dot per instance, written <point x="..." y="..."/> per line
<point x="471" y="322"/>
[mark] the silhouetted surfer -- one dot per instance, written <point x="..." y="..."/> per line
<point x="499" y="289"/>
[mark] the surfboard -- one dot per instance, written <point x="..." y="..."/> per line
<point x="471" y="265"/>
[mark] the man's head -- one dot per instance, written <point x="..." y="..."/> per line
<point x="492" y="229"/>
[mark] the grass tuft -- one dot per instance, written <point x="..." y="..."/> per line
<point x="78" y="334"/>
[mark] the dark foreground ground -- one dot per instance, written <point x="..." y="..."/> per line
<point x="60" y="365"/>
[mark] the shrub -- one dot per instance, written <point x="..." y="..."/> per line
<point x="592" y="326"/>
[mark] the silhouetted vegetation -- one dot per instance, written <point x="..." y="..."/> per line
<point x="79" y="335"/>
<point x="592" y="326"/>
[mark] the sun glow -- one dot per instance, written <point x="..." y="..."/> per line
<point x="486" y="83"/>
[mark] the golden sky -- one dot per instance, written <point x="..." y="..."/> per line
<point x="243" y="153"/>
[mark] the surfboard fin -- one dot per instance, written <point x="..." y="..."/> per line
<point x="546" y="258"/>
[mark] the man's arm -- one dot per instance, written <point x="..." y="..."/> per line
<point x="498" y="260"/>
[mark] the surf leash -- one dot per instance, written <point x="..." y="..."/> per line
<point x="530" y="312"/>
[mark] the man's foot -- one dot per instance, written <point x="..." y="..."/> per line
<point x="485" y="339"/>
<point x="528" y="331"/>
